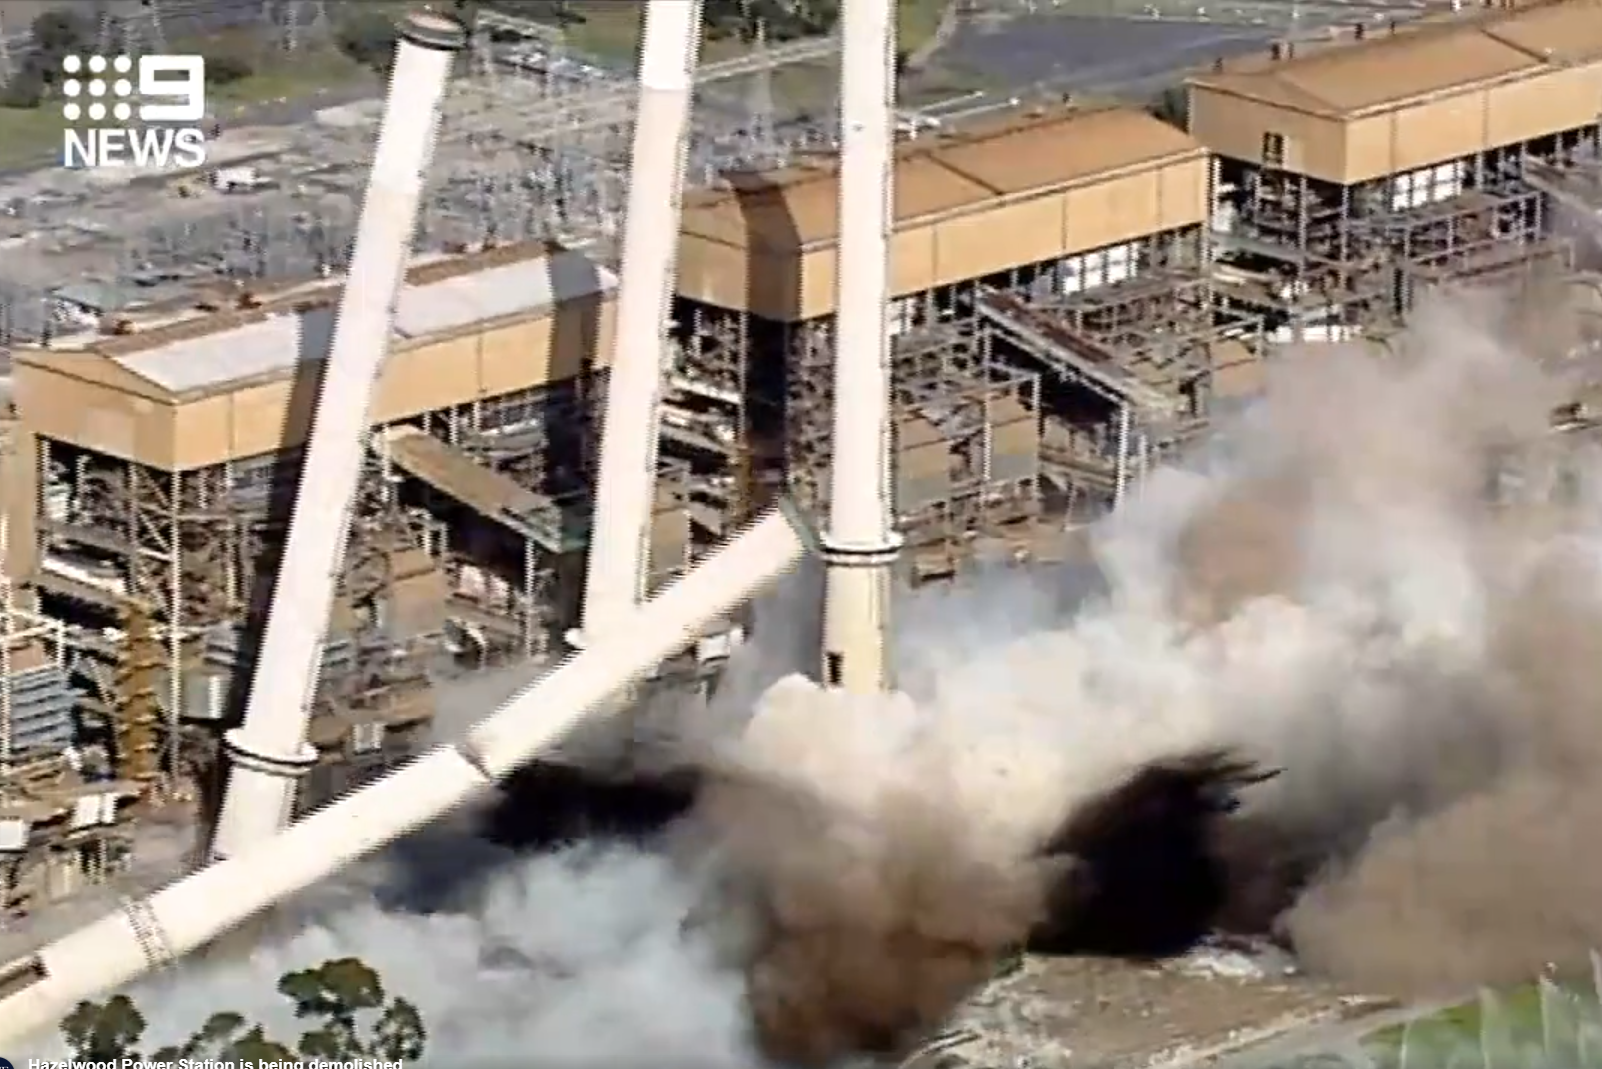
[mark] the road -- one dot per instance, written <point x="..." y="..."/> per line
<point x="1130" y="47"/>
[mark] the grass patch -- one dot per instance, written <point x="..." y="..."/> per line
<point x="611" y="29"/>
<point x="916" y="22"/>
<point x="300" y="77"/>
<point x="30" y="136"/>
<point x="1533" y="1025"/>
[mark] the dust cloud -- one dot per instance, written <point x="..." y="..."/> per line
<point x="1365" y="621"/>
<point x="1382" y="583"/>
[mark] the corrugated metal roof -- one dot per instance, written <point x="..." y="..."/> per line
<point x="1384" y="72"/>
<point x="271" y="345"/>
<point x="1405" y="68"/>
<point x="1568" y="32"/>
<point x="512" y="289"/>
<point x="1072" y="148"/>
<point x="960" y="172"/>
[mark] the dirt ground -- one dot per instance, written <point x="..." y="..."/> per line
<point x="1091" y="1013"/>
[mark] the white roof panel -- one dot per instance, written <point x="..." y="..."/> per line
<point x="272" y="345"/>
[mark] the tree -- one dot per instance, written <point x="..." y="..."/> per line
<point x="61" y="32"/>
<point x="25" y="91"/>
<point x="57" y="33"/>
<point x="225" y="68"/>
<point x="368" y="38"/>
<point x="349" y="1013"/>
<point x="337" y="992"/>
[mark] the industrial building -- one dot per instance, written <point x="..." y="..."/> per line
<point x="1039" y="293"/>
<point x="167" y="452"/>
<point x="1352" y="173"/>
<point x="1069" y="281"/>
<point x="1050" y="295"/>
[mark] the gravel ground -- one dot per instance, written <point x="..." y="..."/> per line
<point x="1095" y="1013"/>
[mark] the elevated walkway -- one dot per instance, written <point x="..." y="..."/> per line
<point x="554" y="526"/>
<point x="1070" y="355"/>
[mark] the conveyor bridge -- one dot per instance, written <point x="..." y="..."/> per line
<point x="1071" y="355"/>
<point x="554" y="526"/>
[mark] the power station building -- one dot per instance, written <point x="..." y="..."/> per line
<point x="167" y="452"/>
<point x="1047" y="267"/>
<point x="1069" y="282"/>
<point x="1355" y="172"/>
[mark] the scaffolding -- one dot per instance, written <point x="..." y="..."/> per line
<point x="967" y="450"/>
<point x="1126" y="365"/>
<point x="62" y="803"/>
<point x="196" y="552"/>
<point x="1322" y="261"/>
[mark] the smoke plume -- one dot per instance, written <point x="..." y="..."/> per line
<point x="1382" y="582"/>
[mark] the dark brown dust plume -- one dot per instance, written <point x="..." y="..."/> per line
<point x="863" y="936"/>
<point x="1498" y="882"/>
<point x="866" y="936"/>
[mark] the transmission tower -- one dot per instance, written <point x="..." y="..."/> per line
<point x="7" y="69"/>
<point x="131" y="31"/>
<point x="301" y="23"/>
<point x="760" y="139"/>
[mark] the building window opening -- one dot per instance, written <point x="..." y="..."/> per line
<point x="1273" y="150"/>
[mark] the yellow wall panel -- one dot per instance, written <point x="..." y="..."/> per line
<point x="912" y="261"/>
<point x="1000" y="237"/>
<point x="94" y="416"/>
<point x="1183" y="194"/>
<point x="1438" y="131"/>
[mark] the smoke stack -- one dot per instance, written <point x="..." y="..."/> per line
<point x="269" y="751"/>
<point x="626" y="482"/>
<point x="861" y="544"/>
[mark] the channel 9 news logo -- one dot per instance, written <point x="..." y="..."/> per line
<point x="104" y="97"/>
